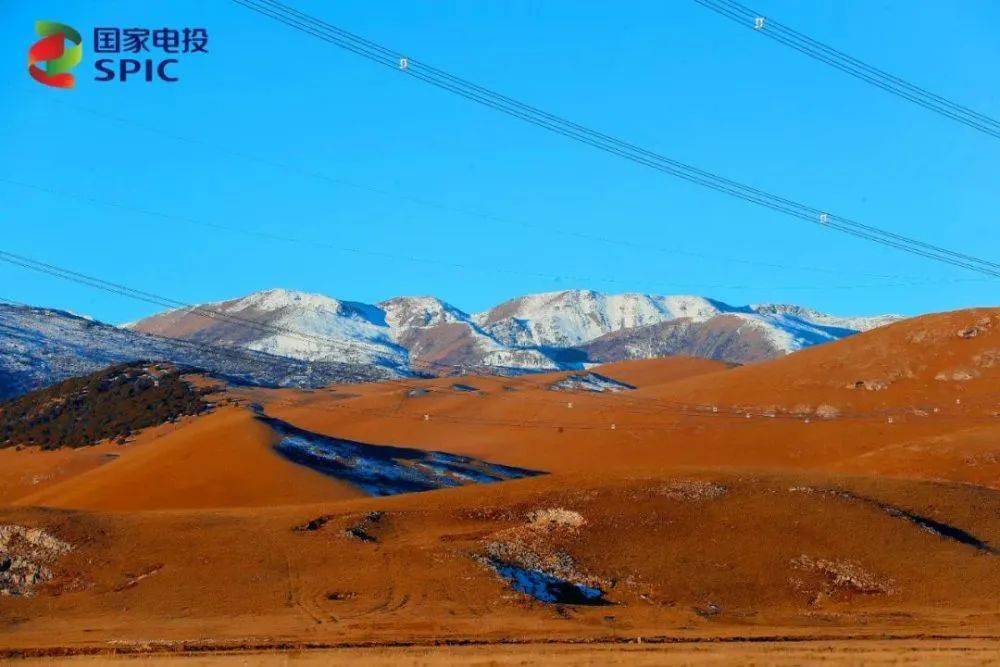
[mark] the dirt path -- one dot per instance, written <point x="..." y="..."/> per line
<point x="861" y="652"/>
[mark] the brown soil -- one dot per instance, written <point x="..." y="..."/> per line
<point x="861" y="652"/>
<point x="224" y="459"/>
<point x="696" y="521"/>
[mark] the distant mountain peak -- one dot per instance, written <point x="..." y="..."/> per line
<point x="526" y="330"/>
<point x="279" y="299"/>
<point x="403" y="312"/>
<point x="40" y="346"/>
<point x="566" y="329"/>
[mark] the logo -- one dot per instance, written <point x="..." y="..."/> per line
<point x="51" y="50"/>
<point x="165" y="47"/>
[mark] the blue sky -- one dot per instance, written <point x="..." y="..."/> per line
<point x="274" y="133"/>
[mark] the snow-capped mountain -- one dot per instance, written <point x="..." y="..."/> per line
<point x="575" y="317"/>
<point x="284" y="338"/>
<point x="409" y="312"/>
<point x="309" y="327"/>
<point x="535" y="332"/>
<point x="437" y="334"/>
<point x="40" y="346"/>
<point x="816" y="317"/>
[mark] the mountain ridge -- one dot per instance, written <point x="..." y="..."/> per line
<point x="42" y="346"/>
<point x="280" y="337"/>
<point x="544" y="331"/>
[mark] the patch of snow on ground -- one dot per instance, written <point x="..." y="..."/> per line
<point x="594" y="382"/>
<point x="385" y="470"/>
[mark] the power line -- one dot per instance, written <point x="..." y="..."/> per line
<point x="852" y="66"/>
<point x="173" y="304"/>
<point x="638" y="405"/>
<point x="414" y="68"/>
<point x="255" y="358"/>
<point x="347" y="346"/>
<point x="667" y="407"/>
<point x="261" y="327"/>
<point x="481" y="215"/>
<point x="492" y="268"/>
<point x="814" y="215"/>
<point x="268" y="329"/>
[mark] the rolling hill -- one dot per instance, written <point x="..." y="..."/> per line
<point x="678" y="500"/>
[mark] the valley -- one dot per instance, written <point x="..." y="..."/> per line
<point x="668" y="501"/>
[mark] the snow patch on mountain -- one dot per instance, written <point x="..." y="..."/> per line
<point x="298" y="325"/>
<point x="574" y="317"/>
<point x="407" y="312"/>
<point x="41" y="346"/>
<point x="592" y="382"/>
<point x="418" y="323"/>
<point x="548" y="331"/>
<point x="852" y="324"/>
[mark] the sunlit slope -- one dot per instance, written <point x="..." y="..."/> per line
<point x="682" y="553"/>
<point x="224" y="459"/>
<point x="864" y="404"/>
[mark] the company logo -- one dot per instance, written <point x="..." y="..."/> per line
<point x="163" y="48"/>
<point x="52" y="51"/>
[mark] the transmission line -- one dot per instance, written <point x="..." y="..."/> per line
<point x="414" y="68"/>
<point x="341" y="345"/>
<point x="816" y="50"/>
<point x="478" y="214"/>
<point x="262" y="359"/>
<point x="639" y="405"/>
<point x="900" y="281"/>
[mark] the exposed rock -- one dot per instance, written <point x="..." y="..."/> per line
<point x="869" y="385"/>
<point x="957" y="375"/>
<point x="26" y="555"/>
<point x="555" y="517"/>
<point x="987" y="359"/>
<point x="360" y="530"/>
<point x="340" y="596"/>
<point x="691" y="490"/>
<point x="528" y="557"/>
<point x="837" y="579"/>
<point x="711" y="610"/>
<point x="827" y="411"/>
<point x="313" y="524"/>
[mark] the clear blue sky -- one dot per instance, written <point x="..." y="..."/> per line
<point x="673" y="77"/>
